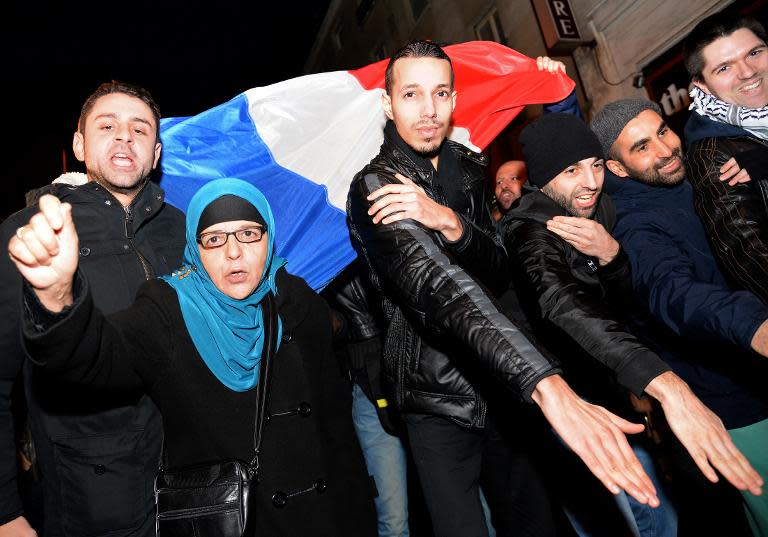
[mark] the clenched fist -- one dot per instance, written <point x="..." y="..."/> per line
<point x="45" y="251"/>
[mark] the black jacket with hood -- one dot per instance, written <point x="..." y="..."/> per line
<point x="735" y="217"/>
<point x="444" y="334"/>
<point x="97" y="455"/>
<point x="569" y="294"/>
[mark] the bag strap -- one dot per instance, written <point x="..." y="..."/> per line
<point x="263" y="386"/>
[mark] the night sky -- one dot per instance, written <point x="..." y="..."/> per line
<point x="191" y="57"/>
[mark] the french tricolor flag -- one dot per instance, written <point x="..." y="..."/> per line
<point x="301" y="142"/>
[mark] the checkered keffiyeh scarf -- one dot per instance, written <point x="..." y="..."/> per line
<point x="753" y="120"/>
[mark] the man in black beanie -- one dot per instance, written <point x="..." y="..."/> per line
<point x="577" y="294"/>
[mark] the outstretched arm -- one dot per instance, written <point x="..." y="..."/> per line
<point x="435" y="291"/>
<point x="702" y="433"/>
<point x="577" y="310"/>
<point x="701" y="308"/>
<point x="597" y="437"/>
<point x="698" y="428"/>
<point x="441" y="297"/>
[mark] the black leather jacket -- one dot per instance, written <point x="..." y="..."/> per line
<point x="735" y="217"/>
<point x="97" y="453"/>
<point x="444" y="334"/>
<point x="577" y="297"/>
<point x="350" y="295"/>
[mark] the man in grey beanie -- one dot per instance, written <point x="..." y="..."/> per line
<point x="576" y="274"/>
<point x="687" y="309"/>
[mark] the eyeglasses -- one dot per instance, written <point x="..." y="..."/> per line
<point x="216" y="239"/>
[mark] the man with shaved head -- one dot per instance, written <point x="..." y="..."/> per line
<point x="510" y="178"/>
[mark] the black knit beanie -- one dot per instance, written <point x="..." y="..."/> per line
<point x="555" y="141"/>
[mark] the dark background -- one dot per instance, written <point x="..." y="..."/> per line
<point x="190" y="56"/>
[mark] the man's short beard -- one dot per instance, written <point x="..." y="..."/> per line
<point x="428" y="151"/>
<point x="563" y="202"/>
<point x="116" y="189"/>
<point x="653" y="177"/>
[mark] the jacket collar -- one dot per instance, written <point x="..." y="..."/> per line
<point x="700" y="127"/>
<point x="403" y="151"/>
<point x="634" y="197"/>
<point x="292" y="300"/>
<point x="395" y="145"/>
<point x="535" y="206"/>
<point x="144" y="206"/>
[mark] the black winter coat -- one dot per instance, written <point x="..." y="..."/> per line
<point x="312" y="482"/>
<point x="350" y="294"/>
<point x="442" y="327"/>
<point x="97" y="453"/>
<point x="735" y="217"/>
<point x="576" y="296"/>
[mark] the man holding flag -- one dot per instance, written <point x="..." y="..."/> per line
<point x="428" y="241"/>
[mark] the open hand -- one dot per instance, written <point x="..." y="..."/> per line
<point x="597" y="437"/>
<point x="703" y="434"/>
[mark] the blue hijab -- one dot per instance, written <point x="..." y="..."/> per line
<point x="227" y="332"/>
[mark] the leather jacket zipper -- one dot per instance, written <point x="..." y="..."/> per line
<point x="199" y="511"/>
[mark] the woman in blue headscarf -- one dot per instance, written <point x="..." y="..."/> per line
<point x="194" y="341"/>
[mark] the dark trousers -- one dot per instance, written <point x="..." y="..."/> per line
<point x="704" y="508"/>
<point x="453" y="462"/>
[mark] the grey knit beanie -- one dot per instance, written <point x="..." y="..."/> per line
<point x="611" y="120"/>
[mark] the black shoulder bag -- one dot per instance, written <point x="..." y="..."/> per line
<point x="218" y="499"/>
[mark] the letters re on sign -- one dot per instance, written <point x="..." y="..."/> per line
<point x="558" y="24"/>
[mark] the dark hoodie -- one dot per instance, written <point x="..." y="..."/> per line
<point x="568" y="293"/>
<point x="698" y="324"/>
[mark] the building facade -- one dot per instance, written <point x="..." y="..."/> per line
<point x="612" y="48"/>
